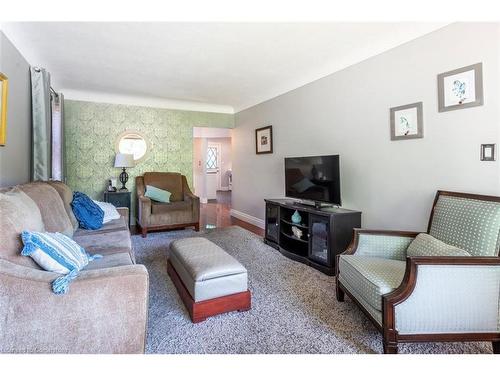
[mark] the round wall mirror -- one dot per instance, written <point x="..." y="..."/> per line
<point x="132" y="142"/>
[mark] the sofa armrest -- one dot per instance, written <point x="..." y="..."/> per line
<point x="104" y="311"/>
<point x="123" y="211"/>
<point x="381" y="243"/>
<point x="445" y="295"/>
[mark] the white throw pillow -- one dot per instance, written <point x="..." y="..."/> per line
<point x="110" y="211"/>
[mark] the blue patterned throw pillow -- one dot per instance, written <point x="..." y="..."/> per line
<point x="56" y="252"/>
<point x="87" y="212"/>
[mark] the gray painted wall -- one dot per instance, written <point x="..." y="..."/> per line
<point x="15" y="155"/>
<point x="347" y="113"/>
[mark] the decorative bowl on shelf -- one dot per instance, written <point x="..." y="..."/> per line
<point x="297" y="232"/>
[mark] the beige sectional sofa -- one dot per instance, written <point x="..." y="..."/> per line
<point x="105" y="310"/>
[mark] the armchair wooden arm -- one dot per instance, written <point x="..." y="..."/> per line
<point x="353" y="246"/>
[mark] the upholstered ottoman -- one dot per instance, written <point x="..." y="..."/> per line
<point x="209" y="280"/>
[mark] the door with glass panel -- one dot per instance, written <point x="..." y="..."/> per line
<point x="272" y="222"/>
<point x="213" y="170"/>
<point x="319" y="227"/>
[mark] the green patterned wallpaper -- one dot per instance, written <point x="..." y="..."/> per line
<point x="91" y="131"/>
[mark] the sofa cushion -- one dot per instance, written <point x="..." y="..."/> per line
<point x="66" y="195"/>
<point x="112" y="226"/>
<point x="117" y="238"/>
<point x="160" y="208"/>
<point x="107" y="251"/>
<point x="425" y="245"/>
<point x="51" y="207"/>
<point x="371" y="277"/>
<point x="18" y="212"/>
<point x="169" y="181"/>
<point x="111" y="260"/>
<point x="171" y="218"/>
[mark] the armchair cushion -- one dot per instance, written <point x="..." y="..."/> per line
<point x="425" y="245"/>
<point x="470" y="224"/>
<point x="160" y="208"/>
<point x="371" y="277"/>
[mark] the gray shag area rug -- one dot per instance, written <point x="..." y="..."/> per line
<point x="294" y="309"/>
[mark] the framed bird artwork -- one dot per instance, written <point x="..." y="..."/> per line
<point x="461" y="88"/>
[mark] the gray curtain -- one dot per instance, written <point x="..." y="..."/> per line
<point x="57" y="100"/>
<point x="41" y="153"/>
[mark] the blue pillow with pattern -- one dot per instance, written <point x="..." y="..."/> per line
<point x="87" y="212"/>
<point x="58" y="253"/>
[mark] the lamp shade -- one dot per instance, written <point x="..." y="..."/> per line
<point x="124" y="160"/>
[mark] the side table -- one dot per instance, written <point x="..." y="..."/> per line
<point x="119" y="199"/>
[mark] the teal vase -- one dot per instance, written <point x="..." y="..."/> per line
<point x="296" y="218"/>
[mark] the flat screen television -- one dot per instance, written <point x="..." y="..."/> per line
<point x="313" y="178"/>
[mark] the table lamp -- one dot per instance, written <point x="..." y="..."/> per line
<point x="124" y="161"/>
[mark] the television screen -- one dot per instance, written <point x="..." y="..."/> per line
<point x="315" y="178"/>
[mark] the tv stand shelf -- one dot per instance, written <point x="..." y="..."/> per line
<point x="289" y="222"/>
<point x="326" y="232"/>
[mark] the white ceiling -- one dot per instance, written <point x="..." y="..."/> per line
<point x="208" y="66"/>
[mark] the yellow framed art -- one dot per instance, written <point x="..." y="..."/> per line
<point x="4" y="91"/>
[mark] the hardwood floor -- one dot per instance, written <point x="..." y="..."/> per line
<point x="216" y="214"/>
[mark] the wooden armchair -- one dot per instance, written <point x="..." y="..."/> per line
<point x="431" y="298"/>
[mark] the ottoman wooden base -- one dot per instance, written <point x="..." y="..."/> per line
<point x="199" y="311"/>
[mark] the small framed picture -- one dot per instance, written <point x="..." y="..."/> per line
<point x="264" y="140"/>
<point x="461" y="88"/>
<point x="488" y="152"/>
<point x="407" y="122"/>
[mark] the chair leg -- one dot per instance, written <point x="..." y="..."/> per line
<point x="496" y="347"/>
<point x="390" y="348"/>
<point x="339" y="293"/>
<point x="144" y="232"/>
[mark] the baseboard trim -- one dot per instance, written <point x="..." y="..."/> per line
<point x="248" y="218"/>
<point x="224" y="188"/>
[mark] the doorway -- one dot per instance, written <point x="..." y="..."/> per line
<point x="212" y="164"/>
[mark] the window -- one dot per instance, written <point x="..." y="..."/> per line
<point x="212" y="157"/>
<point x="132" y="142"/>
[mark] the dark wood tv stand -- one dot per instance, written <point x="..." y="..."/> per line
<point x="327" y="232"/>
